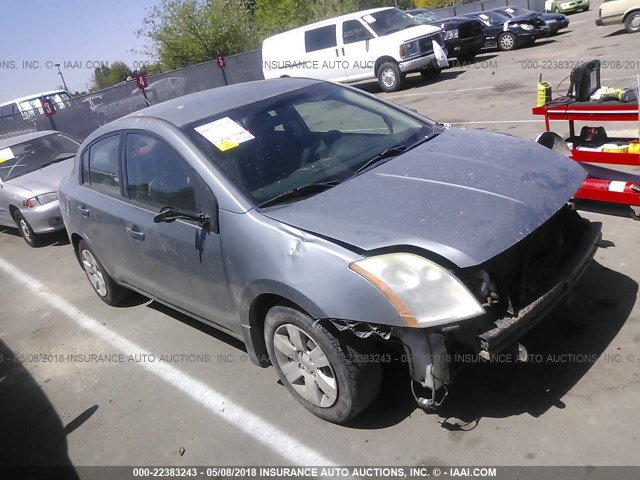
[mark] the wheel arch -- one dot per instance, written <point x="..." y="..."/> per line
<point x="12" y="211"/>
<point x="629" y="13"/>
<point x="380" y="61"/>
<point x="257" y="307"/>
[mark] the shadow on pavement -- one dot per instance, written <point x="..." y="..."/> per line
<point x="32" y="433"/>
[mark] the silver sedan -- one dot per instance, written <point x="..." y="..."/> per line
<point x="31" y="167"/>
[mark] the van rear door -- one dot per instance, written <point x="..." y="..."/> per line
<point x="323" y="60"/>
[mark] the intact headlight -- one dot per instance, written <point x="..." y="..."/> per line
<point x="526" y="26"/>
<point x="564" y="5"/>
<point x="423" y="293"/>
<point x="409" y="49"/>
<point x="43" y="199"/>
<point x="450" y="34"/>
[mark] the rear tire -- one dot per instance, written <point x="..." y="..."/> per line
<point x="431" y="73"/>
<point x="332" y="378"/>
<point x="105" y="287"/>
<point x="632" y="22"/>
<point x="27" y="233"/>
<point x="507" y="41"/>
<point x="390" y="78"/>
<point x="468" y="58"/>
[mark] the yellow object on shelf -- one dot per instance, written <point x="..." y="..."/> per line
<point x="544" y="93"/>
<point x="612" y="148"/>
<point x="634" y="147"/>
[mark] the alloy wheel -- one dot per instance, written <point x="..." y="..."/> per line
<point x="305" y="366"/>
<point x="94" y="274"/>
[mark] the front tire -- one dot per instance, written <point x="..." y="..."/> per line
<point x="27" y="233"/>
<point x="107" y="289"/>
<point x="632" y="23"/>
<point x="507" y="41"/>
<point x="333" y="379"/>
<point x="390" y="78"/>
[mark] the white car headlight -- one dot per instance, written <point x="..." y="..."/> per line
<point x="526" y="26"/>
<point x="42" y="199"/>
<point x="423" y="293"/>
<point x="564" y="5"/>
<point x="451" y="34"/>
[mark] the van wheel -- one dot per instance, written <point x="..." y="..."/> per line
<point x="332" y="378"/>
<point x="632" y="23"/>
<point x="390" y="77"/>
<point x="507" y="41"/>
<point x="107" y="289"/>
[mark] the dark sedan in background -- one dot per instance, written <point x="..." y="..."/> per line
<point x="507" y="33"/>
<point x="464" y="37"/>
<point x="554" y="21"/>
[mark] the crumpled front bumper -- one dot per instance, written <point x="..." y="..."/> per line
<point x="507" y="330"/>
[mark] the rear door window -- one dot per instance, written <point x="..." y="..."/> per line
<point x="104" y="174"/>
<point x="320" y="38"/>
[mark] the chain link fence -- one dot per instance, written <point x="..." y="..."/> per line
<point x="81" y="115"/>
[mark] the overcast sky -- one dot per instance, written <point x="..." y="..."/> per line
<point x="77" y="34"/>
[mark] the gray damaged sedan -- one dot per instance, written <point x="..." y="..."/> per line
<point x="31" y="167"/>
<point x="320" y="225"/>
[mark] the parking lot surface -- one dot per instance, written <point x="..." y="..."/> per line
<point x="83" y="383"/>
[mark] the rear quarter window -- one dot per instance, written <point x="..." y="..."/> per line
<point x="320" y="38"/>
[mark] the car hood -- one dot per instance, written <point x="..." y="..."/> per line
<point x="45" y="179"/>
<point x="412" y="33"/>
<point x="452" y="22"/>
<point x="465" y="195"/>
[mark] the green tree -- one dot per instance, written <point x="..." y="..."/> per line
<point x="434" y="3"/>
<point x="184" y="32"/>
<point x="107" y="76"/>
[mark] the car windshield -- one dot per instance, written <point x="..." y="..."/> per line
<point x="425" y="16"/>
<point x="389" y="21"/>
<point x="32" y="155"/>
<point x="320" y="135"/>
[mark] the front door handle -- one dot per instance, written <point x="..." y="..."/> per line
<point x="84" y="211"/>
<point x="135" y="233"/>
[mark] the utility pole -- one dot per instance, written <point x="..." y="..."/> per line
<point x="62" y="76"/>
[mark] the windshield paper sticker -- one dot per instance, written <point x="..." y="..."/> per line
<point x="369" y="19"/>
<point x="6" y="154"/>
<point x="224" y="133"/>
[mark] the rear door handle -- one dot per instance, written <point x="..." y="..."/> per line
<point x="84" y="211"/>
<point x="135" y="233"/>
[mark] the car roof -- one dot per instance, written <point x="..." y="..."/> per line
<point x="8" y="142"/>
<point x="190" y="108"/>
<point x="330" y="21"/>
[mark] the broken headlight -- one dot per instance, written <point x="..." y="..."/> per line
<point x="423" y="293"/>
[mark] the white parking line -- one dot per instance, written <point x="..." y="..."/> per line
<point x="255" y="427"/>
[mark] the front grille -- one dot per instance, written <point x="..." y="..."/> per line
<point x="426" y="45"/>
<point x="527" y="270"/>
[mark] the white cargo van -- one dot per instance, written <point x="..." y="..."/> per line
<point x="382" y="43"/>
